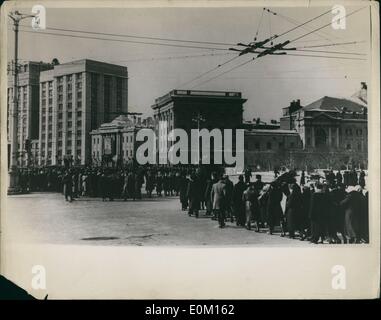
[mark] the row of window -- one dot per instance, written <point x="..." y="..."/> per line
<point x="69" y="124"/>
<point x="70" y="96"/>
<point x="69" y="105"/>
<point x="127" y="139"/>
<point x="43" y="102"/>
<point x="59" y="153"/>
<point x="59" y="144"/>
<point x="69" y="134"/>
<point x="69" y="143"/>
<point x="69" y="87"/>
<point x="69" y="78"/>
<point x="69" y="114"/>
<point x="68" y="152"/>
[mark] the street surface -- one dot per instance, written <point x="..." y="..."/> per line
<point x="47" y="218"/>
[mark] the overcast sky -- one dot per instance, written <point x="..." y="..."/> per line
<point x="269" y="83"/>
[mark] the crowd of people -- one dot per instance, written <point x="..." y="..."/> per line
<point x="332" y="209"/>
<point x="322" y="210"/>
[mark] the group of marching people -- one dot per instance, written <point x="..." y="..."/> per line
<point x="318" y="211"/>
<point x="105" y="182"/>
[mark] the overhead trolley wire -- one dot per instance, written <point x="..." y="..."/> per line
<point x="123" y="41"/>
<point x="136" y="36"/>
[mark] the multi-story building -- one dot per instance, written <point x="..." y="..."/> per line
<point x="195" y="109"/>
<point x="330" y="132"/>
<point x="330" y="124"/>
<point x="28" y="107"/>
<point x="115" y="142"/>
<point x="75" y="98"/>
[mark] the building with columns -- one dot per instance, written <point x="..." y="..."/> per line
<point x="76" y="98"/>
<point x="114" y="143"/>
<point x="28" y="107"/>
<point x="330" y="124"/>
<point x="335" y="130"/>
<point x="327" y="133"/>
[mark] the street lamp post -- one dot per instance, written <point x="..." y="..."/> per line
<point x="16" y="18"/>
<point x="198" y="119"/>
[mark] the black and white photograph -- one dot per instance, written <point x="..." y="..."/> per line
<point x="142" y="128"/>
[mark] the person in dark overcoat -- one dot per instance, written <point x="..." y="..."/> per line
<point x="238" y="204"/>
<point x="337" y="216"/>
<point x="339" y="177"/>
<point x="346" y="178"/>
<point x="318" y="213"/>
<point x="294" y="207"/>
<point x="274" y="209"/>
<point x="102" y="185"/>
<point x="193" y="195"/>
<point x="166" y="184"/>
<point x="208" y="189"/>
<point x="229" y="198"/>
<point x="67" y="182"/>
<point x="183" y="187"/>
<point x="149" y="184"/>
<point x="305" y="224"/>
<point x="159" y="184"/>
<point x="138" y="184"/>
<point x="303" y="178"/>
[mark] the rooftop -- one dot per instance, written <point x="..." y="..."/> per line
<point x="334" y="104"/>
<point x="177" y="93"/>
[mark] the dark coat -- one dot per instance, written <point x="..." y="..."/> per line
<point x="274" y="209"/>
<point x="337" y="215"/>
<point x="183" y="186"/>
<point x="131" y="184"/>
<point x="319" y="208"/>
<point x="238" y="190"/>
<point x="193" y="194"/>
<point x="294" y="211"/>
<point x="306" y="203"/>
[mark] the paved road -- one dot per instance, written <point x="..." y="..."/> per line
<point x="47" y="218"/>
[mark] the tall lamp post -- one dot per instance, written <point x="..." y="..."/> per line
<point x="16" y="18"/>
<point x="198" y="119"/>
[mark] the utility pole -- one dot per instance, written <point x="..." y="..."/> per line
<point x="16" y="18"/>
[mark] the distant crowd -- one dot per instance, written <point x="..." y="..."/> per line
<point x="331" y="208"/>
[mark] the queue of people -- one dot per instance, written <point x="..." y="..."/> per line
<point x="334" y="210"/>
<point x="320" y="212"/>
